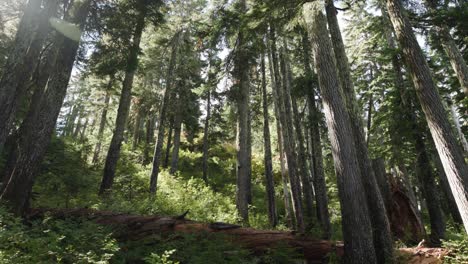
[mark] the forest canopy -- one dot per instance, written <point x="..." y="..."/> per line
<point x="331" y="131"/>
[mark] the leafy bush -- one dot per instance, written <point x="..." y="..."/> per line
<point x="53" y="241"/>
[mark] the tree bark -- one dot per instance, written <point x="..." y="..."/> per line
<point x="270" y="184"/>
<point x="162" y="115"/>
<point x="113" y="153"/>
<point x="177" y="131"/>
<point x="320" y="186"/>
<point x="39" y="124"/>
<point x="102" y="123"/>
<point x="148" y="137"/>
<point x="287" y="133"/>
<point x="243" y="110"/>
<point x="358" y="238"/>
<point x="378" y="166"/>
<point x="168" y="143"/>
<point x="449" y="151"/>
<point x="18" y="69"/>
<point x="136" y="129"/>
<point x="383" y="242"/>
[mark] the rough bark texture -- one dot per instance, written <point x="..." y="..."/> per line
<point x="136" y="128"/>
<point x="113" y="153"/>
<point x="39" y="124"/>
<point x="383" y="241"/>
<point x="320" y="186"/>
<point x="449" y="151"/>
<point x="168" y="144"/>
<point x="32" y="31"/>
<point x="102" y="122"/>
<point x="358" y="237"/>
<point x="243" y="192"/>
<point x="270" y="184"/>
<point x="384" y="185"/>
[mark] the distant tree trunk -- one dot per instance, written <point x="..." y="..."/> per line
<point x="270" y="184"/>
<point x="287" y="133"/>
<point x="426" y="178"/>
<point x="457" y="125"/>
<point x="102" y="123"/>
<point x="320" y="186"/>
<point x="177" y="132"/>
<point x="77" y="129"/>
<point x="378" y="166"/>
<point x="37" y="128"/>
<point x="168" y="144"/>
<point x="136" y="129"/>
<point x="71" y="120"/>
<point x="206" y="132"/>
<point x="243" y="110"/>
<point x="18" y="69"/>
<point x="306" y="178"/>
<point x="453" y="53"/>
<point x="383" y="241"/>
<point x="359" y="247"/>
<point x="449" y="151"/>
<point x="113" y="153"/>
<point x="369" y="117"/>
<point x="83" y="131"/>
<point x="148" y="138"/>
<point x="162" y="116"/>
<point x="276" y="82"/>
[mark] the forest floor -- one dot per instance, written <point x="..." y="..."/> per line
<point x="137" y="227"/>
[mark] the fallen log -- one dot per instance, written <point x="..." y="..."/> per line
<point x="132" y="227"/>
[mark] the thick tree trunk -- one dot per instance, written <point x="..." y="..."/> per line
<point x="358" y="237"/>
<point x="162" y="116"/>
<point x="270" y="184"/>
<point x="102" y="122"/>
<point x="320" y="186"/>
<point x="148" y="138"/>
<point x="383" y="242"/>
<point x="113" y="153"/>
<point x="449" y="151"/>
<point x="378" y="166"/>
<point x="206" y="131"/>
<point x="39" y="124"/>
<point x="243" y="111"/>
<point x="18" y="68"/>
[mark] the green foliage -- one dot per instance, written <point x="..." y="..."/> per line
<point x="161" y="259"/>
<point x="457" y="242"/>
<point x="54" y="241"/>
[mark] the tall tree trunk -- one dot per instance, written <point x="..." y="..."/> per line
<point x="102" y="123"/>
<point x="37" y="128"/>
<point x="19" y="67"/>
<point x="358" y="239"/>
<point x="243" y="110"/>
<point x="83" y="131"/>
<point x="206" y="132"/>
<point x="383" y="242"/>
<point x="136" y="129"/>
<point x="168" y="143"/>
<point x="378" y="166"/>
<point x="148" y="138"/>
<point x="287" y="133"/>
<point x="162" y="115"/>
<point x="113" y="153"/>
<point x="177" y="132"/>
<point x="270" y="184"/>
<point x="320" y="186"/>
<point x="276" y="82"/>
<point x="449" y="151"/>
<point x="456" y="122"/>
<point x="369" y="116"/>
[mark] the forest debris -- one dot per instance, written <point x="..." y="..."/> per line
<point x="422" y="255"/>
